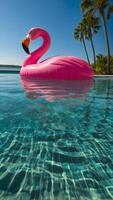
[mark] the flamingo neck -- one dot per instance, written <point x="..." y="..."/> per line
<point x="38" y="53"/>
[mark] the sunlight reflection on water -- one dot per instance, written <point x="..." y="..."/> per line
<point x="56" y="139"/>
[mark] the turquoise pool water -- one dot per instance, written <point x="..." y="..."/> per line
<point x="56" y="139"/>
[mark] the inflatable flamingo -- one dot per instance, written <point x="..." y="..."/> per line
<point x="58" y="67"/>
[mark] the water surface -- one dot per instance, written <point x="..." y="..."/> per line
<point x="56" y="139"/>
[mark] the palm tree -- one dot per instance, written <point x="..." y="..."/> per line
<point x="101" y="6"/>
<point x="91" y="26"/>
<point x="79" y="35"/>
<point x="101" y="61"/>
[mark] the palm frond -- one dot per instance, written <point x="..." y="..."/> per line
<point x="110" y="11"/>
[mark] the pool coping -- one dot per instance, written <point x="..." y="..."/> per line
<point x="103" y="76"/>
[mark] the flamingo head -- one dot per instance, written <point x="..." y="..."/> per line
<point x="25" y="44"/>
<point x="32" y="35"/>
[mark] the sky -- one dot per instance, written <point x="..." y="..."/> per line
<point x="58" y="17"/>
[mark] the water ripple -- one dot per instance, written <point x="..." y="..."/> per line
<point x="58" y="150"/>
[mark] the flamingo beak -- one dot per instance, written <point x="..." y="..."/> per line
<point x="25" y="44"/>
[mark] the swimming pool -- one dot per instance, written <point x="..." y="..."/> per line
<point x="56" y="139"/>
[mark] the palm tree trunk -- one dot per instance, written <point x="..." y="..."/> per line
<point x="85" y="49"/>
<point x="107" y="41"/>
<point x="93" y="48"/>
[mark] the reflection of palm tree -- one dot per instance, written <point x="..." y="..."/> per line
<point x="79" y="35"/>
<point x="101" y="6"/>
<point x="87" y="112"/>
<point x="107" y="105"/>
<point x="91" y="25"/>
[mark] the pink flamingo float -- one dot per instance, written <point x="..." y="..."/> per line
<point x="58" y="67"/>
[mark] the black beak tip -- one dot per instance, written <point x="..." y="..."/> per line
<point x="26" y="49"/>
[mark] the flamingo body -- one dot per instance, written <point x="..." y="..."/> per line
<point x="58" y="67"/>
